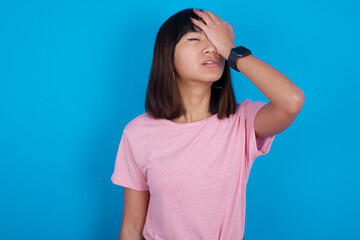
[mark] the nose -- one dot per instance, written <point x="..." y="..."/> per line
<point x="209" y="47"/>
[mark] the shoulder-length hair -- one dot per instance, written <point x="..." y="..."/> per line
<point x="163" y="99"/>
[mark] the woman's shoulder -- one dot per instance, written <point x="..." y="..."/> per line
<point x="140" y="123"/>
<point x="243" y="102"/>
<point x="240" y="105"/>
<point x="247" y="104"/>
<point x="136" y="122"/>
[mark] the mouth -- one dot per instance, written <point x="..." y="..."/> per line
<point x="210" y="63"/>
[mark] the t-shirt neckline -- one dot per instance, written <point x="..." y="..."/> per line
<point x="186" y="125"/>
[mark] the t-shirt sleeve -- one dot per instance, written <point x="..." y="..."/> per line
<point x="126" y="172"/>
<point x="255" y="146"/>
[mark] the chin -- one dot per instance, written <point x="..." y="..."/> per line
<point x="214" y="77"/>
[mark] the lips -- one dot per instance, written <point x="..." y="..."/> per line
<point x="210" y="62"/>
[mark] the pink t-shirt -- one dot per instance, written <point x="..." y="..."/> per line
<point x="196" y="172"/>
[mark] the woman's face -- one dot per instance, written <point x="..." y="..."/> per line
<point x="193" y="49"/>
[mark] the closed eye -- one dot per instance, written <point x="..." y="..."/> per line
<point x="190" y="39"/>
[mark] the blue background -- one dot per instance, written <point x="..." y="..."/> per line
<point x="74" y="73"/>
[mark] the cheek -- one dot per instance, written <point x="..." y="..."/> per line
<point x="184" y="62"/>
<point x="187" y="56"/>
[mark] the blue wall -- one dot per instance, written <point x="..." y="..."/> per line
<point x="74" y="73"/>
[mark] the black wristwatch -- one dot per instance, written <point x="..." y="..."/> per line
<point x="236" y="53"/>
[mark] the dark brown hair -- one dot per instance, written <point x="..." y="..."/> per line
<point x="163" y="99"/>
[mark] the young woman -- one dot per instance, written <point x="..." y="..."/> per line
<point x="184" y="164"/>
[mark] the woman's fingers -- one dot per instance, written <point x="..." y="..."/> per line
<point x="198" y="23"/>
<point x="209" y="14"/>
<point x="213" y="16"/>
<point x="202" y="13"/>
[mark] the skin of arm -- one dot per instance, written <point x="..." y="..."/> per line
<point x="134" y="215"/>
<point x="128" y="234"/>
<point x="286" y="99"/>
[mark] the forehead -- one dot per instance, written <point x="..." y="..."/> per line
<point x="197" y="30"/>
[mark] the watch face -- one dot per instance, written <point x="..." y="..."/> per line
<point x="236" y="53"/>
<point x="241" y="51"/>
